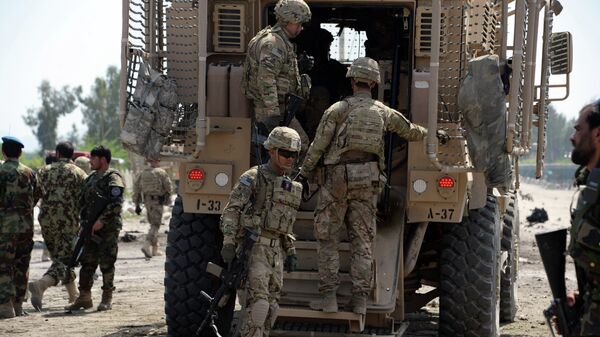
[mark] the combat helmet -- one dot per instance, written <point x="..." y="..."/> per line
<point x="364" y="69"/>
<point x="283" y="138"/>
<point x="292" y="11"/>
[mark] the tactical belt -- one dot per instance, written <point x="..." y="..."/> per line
<point x="153" y="197"/>
<point x="268" y="242"/>
<point x="356" y="157"/>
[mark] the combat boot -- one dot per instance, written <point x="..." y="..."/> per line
<point x="327" y="304"/>
<point x="37" y="289"/>
<point x="84" y="301"/>
<point x="155" y="251"/>
<point x="45" y="255"/>
<point x="106" y="303"/>
<point x="146" y="249"/>
<point x="18" y="307"/>
<point x="72" y="291"/>
<point x="7" y="310"/>
<point x="359" y="304"/>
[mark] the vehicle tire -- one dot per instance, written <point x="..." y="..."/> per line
<point x="470" y="274"/>
<point x="509" y="274"/>
<point x="193" y="241"/>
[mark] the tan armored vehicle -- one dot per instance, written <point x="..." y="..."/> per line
<point x="448" y="224"/>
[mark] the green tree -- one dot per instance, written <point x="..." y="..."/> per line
<point x="100" y="108"/>
<point x="44" y="119"/>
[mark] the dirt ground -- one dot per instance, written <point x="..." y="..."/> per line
<point x="138" y="305"/>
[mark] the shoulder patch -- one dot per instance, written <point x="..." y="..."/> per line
<point x="116" y="191"/>
<point x="277" y="52"/>
<point x="246" y="180"/>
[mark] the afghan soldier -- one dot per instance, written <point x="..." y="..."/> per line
<point x="585" y="220"/>
<point x="102" y="251"/>
<point x="152" y="186"/>
<point x="349" y="140"/>
<point x="19" y="192"/>
<point x="265" y="200"/>
<point x="83" y="163"/>
<point x="271" y="68"/>
<point x="59" y="218"/>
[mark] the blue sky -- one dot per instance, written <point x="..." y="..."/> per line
<point x="70" y="42"/>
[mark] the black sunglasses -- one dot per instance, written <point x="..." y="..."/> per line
<point x="287" y="154"/>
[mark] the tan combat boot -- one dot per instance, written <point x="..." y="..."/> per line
<point x="359" y="304"/>
<point x="155" y="251"/>
<point x="72" y="291"/>
<point x="327" y="304"/>
<point x="37" y="289"/>
<point x="146" y="249"/>
<point x="84" y="301"/>
<point x="7" y="310"/>
<point x="106" y="303"/>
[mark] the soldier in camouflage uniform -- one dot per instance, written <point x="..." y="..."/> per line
<point x="349" y="139"/>
<point x="271" y="68"/>
<point x="59" y="219"/>
<point x="265" y="199"/>
<point x="19" y="192"/>
<point x="584" y="247"/>
<point x="108" y="183"/>
<point x="152" y="186"/>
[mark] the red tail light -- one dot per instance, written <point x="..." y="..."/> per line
<point x="446" y="182"/>
<point x="196" y="174"/>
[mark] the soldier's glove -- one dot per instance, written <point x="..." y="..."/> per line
<point x="291" y="263"/>
<point x="138" y="209"/>
<point x="305" y="62"/>
<point x="228" y="252"/>
<point x="442" y="136"/>
<point x="305" y="186"/>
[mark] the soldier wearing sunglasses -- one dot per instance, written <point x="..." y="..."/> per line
<point x="266" y="200"/>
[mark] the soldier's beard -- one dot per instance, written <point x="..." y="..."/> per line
<point x="582" y="153"/>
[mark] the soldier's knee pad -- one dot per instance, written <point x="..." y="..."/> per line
<point x="258" y="312"/>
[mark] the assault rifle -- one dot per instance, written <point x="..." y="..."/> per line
<point x="552" y="246"/>
<point x="94" y="211"/>
<point x="292" y="106"/>
<point x="231" y="279"/>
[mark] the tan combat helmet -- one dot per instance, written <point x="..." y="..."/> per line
<point x="364" y="69"/>
<point x="83" y="163"/>
<point x="283" y="138"/>
<point x="292" y="11"/>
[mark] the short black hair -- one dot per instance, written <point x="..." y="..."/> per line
<point x="593" y="118"/>
<point x="49" y="159"/>
<point x="101" y="151"/>
<point x="11" y="149"/>
<point x="65" y="149"/>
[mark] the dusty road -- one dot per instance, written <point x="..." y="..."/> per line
<point x="138" y="306"/>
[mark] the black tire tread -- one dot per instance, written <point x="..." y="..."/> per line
<point x="510" y="243"/>
<point x="469" y="267"/>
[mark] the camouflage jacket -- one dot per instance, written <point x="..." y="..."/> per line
<point x="19" y="192"/>
<point x="151" y="182"/>
<point x="264" y="201"/>
<point x="107" y="184"/>
<point x="62" y="182"/>
<point x="270" y="71"/>
<point x="584" y="246"/>
<point x="358" y="120"/>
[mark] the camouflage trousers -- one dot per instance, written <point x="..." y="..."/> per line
<point x="15" y="254"/>
<point x="59" y="233"/>
<point x="103" y="254"/>
<point x="341" y="208"/>
<point x="590" y="319"/>
<point x="154" y="210"/>
<point x="264" y="282"/>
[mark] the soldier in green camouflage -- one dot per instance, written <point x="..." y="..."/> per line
<point x="83" y="163"/>
<point x="271" y="68"/>
<point x="349" y="140"/>
<point x="62" y="182"/>
<point x="19" y="192"/>
<point x="152" y="186"/>
<point x="584" y="247"/>
<point x="266" y="200"/>
<point x="108" y="183"/>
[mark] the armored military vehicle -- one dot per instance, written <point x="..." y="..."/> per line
<point x="448" y="222"/>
